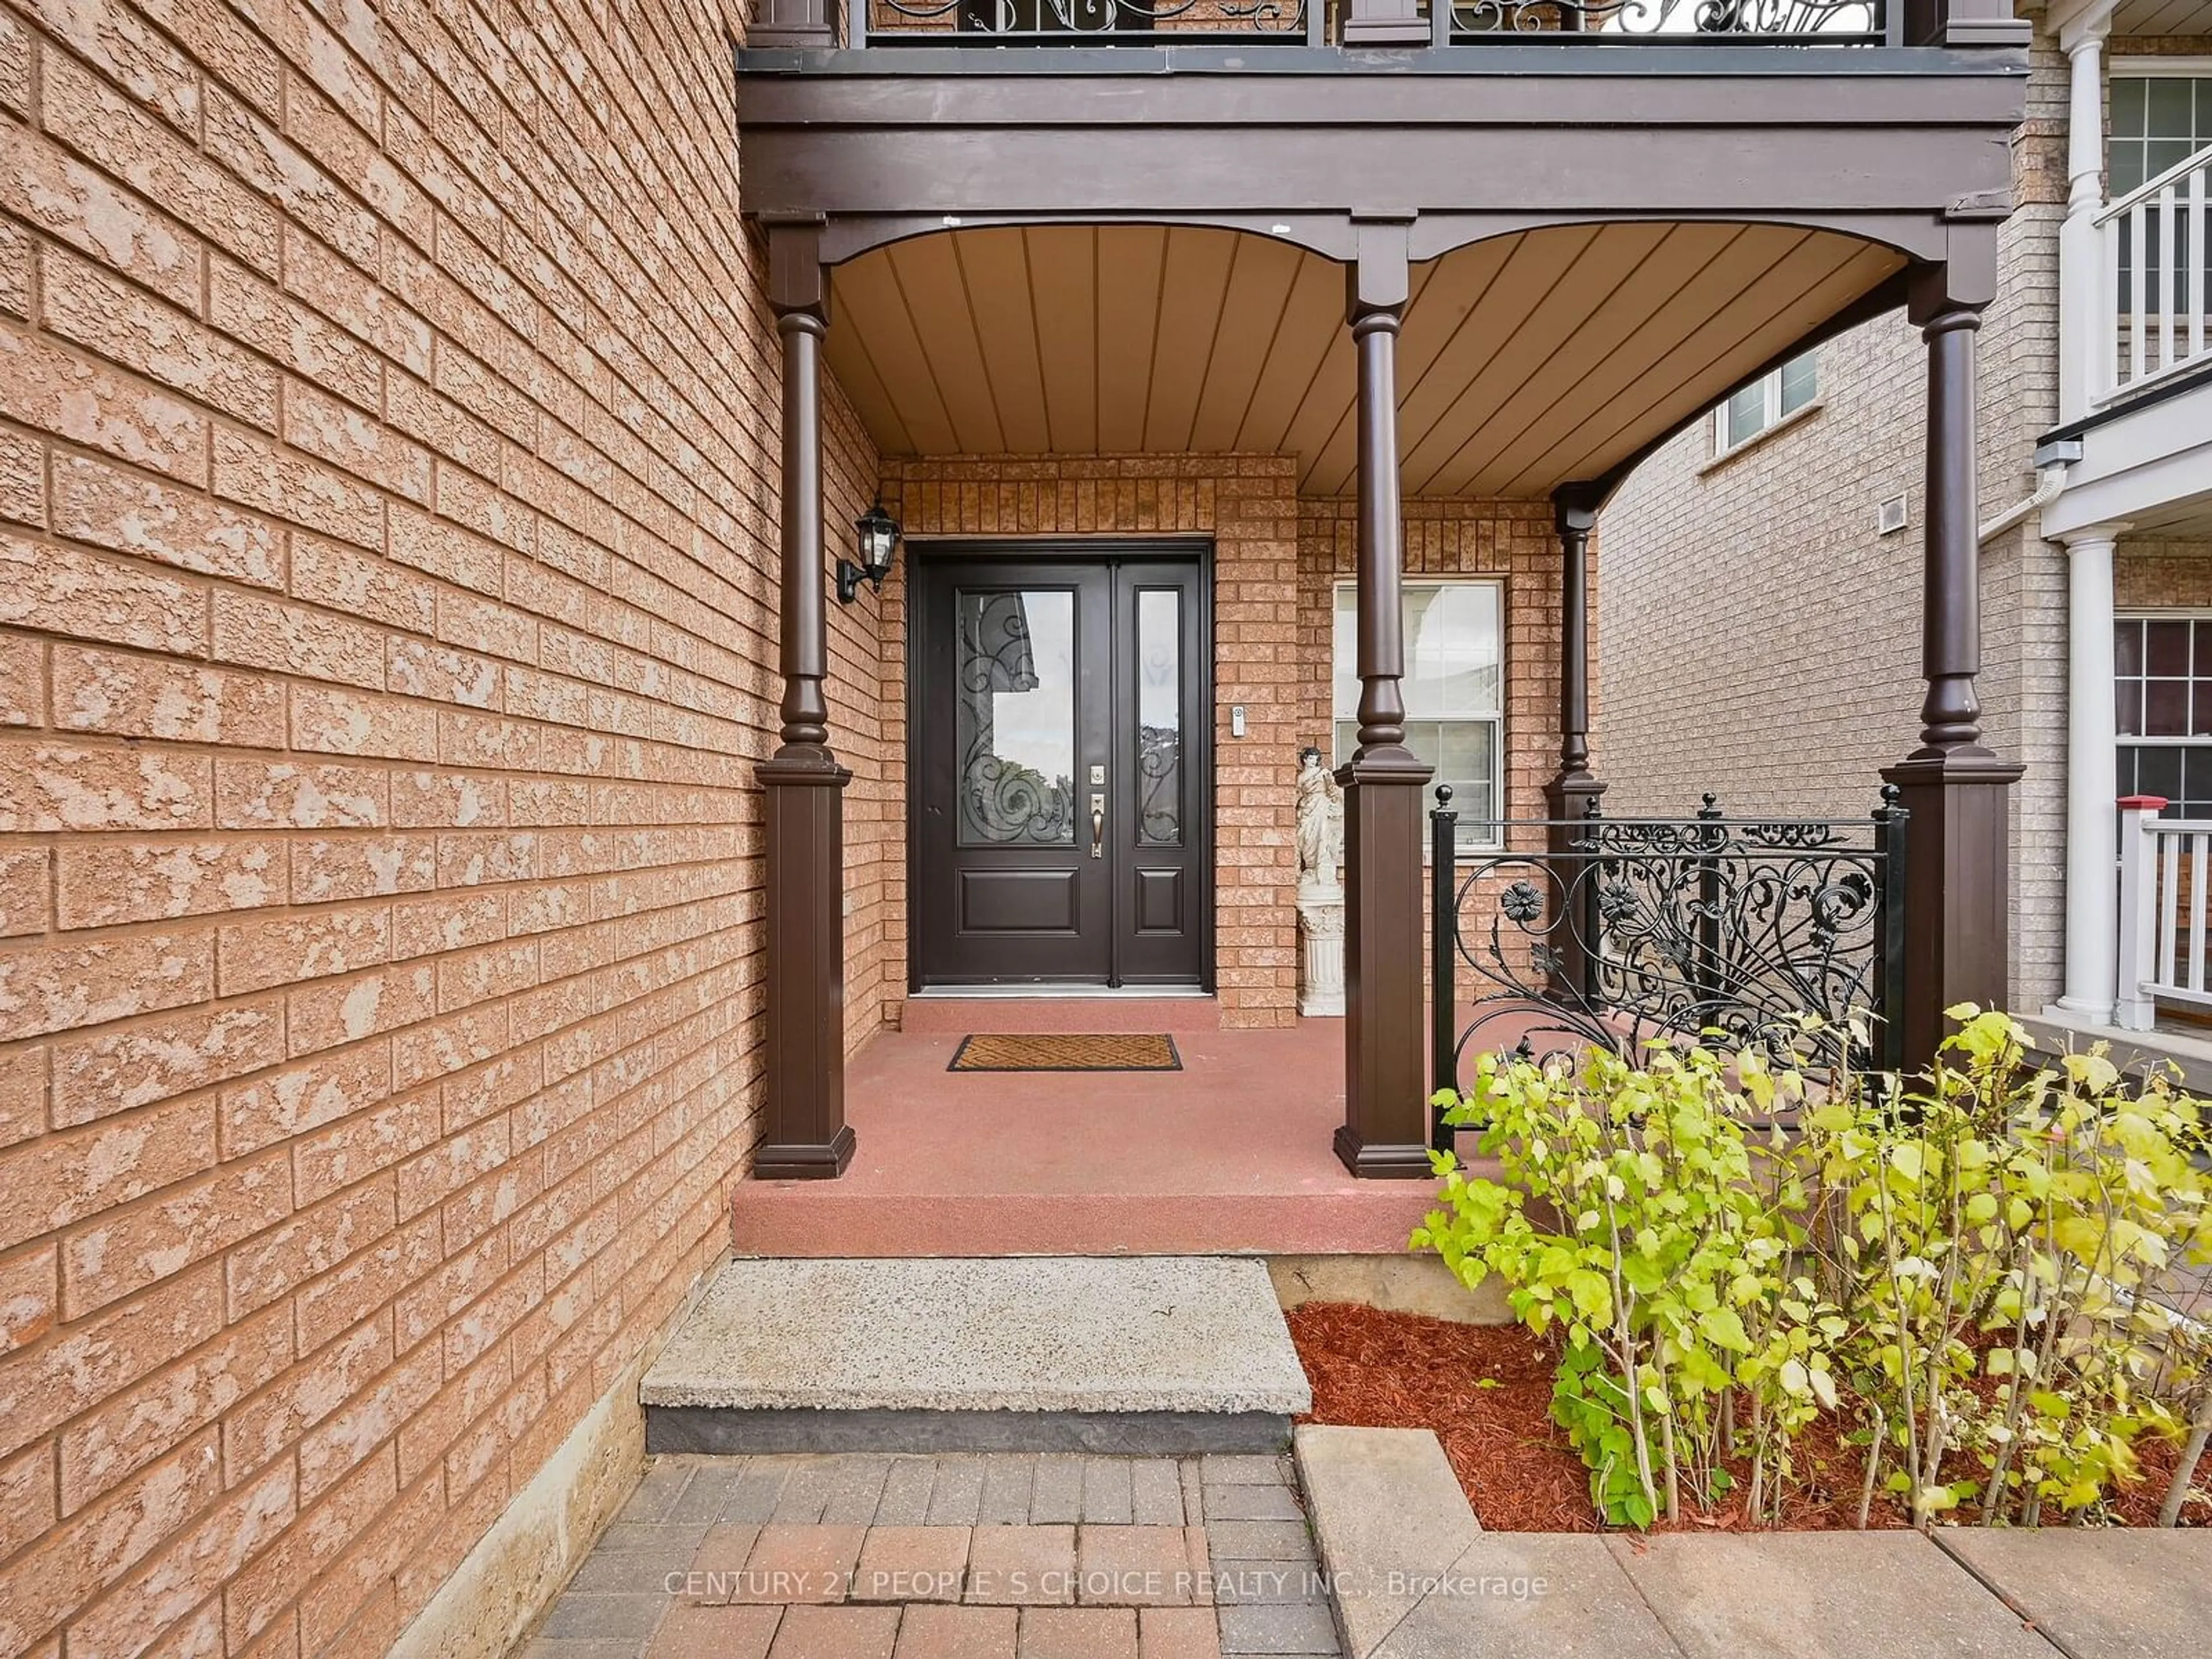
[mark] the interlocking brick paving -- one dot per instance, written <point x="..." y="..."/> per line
<point x="987" y="1556"/>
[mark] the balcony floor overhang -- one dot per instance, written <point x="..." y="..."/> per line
<point x="1072" y="251"/>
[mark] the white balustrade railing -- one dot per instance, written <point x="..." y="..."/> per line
<point x="2165" y="878"/>
<point x="2155" y="278"/>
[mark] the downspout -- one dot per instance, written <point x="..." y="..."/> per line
<point x="2050" y="484"/>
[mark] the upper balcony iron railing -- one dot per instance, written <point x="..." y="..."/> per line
<point x="1613" y="932"/>
<point x="988" y="23"/>
<point x="2156" y="267"/>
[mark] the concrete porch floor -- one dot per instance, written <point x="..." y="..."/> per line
<point x="1231" y="1155"/>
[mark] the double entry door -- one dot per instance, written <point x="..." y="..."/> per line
<point x="1061" y="766"/>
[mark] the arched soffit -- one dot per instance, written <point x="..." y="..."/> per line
<point x="1527" y="359"/>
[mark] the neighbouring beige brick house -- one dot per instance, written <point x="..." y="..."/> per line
<point x="1756" y="604"/>
<point x="427" y="876"/>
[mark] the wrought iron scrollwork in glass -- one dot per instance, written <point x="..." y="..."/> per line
<point x="1016" y="716"/>
<point x="1628" y="929"/>
<point x="1824" y="21"/>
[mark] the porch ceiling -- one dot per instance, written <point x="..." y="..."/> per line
<point x="2162" y="17"/>
<point x="1526" y="362"/>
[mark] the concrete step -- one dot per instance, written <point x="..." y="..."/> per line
<point x="1143" y="1354"/>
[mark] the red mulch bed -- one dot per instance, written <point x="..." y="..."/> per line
<point x="1370" y="1368"/>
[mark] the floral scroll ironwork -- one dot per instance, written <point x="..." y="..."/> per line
<point x="1622" y="930"/>
<point x="1044" y="21"/>
<point x="1837" y="22"/>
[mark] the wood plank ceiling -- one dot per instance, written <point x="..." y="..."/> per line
<point x="1525" y="363"/>
<point x="2162" y="17"/>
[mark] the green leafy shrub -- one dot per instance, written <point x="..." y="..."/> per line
<point x="1631" y="1219"/>
<point x="1962" y="1271"/>
<point x="2000" y="1243"/>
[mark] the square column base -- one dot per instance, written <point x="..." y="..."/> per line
<point x="1958" y="891"/>
<point x="1385" y="1134"/>
<point x="806" y="1137"/>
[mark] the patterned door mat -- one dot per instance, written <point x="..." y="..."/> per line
<point x="1100" y="1052"/>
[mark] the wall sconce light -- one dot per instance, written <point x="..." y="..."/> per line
<point x="876" y="534"/>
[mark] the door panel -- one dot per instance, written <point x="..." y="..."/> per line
<point x="1059" y="770"/>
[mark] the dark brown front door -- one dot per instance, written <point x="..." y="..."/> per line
<point x="1060" y="768"/>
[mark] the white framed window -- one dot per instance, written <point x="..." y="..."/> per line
<point x="2162" y="115"/>
<point x="1454" y="689"/>
<point x="2162" y="698"/>
<point x="1765" y="401"/>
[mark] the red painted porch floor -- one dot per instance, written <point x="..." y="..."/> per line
<point x="1232" y="1154"/>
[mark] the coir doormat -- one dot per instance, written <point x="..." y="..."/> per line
<point x="1103" y="1052"/>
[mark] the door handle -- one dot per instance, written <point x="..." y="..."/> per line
<point x="1098" y="826"/>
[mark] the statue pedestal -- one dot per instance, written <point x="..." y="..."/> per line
<point x="1320" y="949"/>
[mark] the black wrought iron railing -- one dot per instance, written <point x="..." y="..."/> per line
<point x="1614" y="930"/>
<point x="1803" y="22"/>
<point x="1321" y="22"/>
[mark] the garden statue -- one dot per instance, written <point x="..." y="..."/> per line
<point x="1319" y="825"/>
<point x="1320" y="841"/>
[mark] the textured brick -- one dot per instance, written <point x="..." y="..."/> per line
<point x="105" y="882"/>
<point x="74" y="396"/>
<point x="130" y="512"/>
<point x="181" y="702"/>
<point x="83" y="303"/>
<point x="339" y="362"/>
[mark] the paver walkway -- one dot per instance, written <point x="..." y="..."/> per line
<point x="991" y="1556"/>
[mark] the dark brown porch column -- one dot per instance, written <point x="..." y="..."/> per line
<point x="1574" y="515"/>
<point x="1573" y="792"/>
<point x="1957" y="877"/>
<point x="1386" y="1119"/>
<point x="805" y="1136"/>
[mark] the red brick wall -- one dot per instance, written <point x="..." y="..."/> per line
<point x="387" y="601"/>
<point x="1249" y="505"/>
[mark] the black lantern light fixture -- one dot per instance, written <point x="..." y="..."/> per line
<point x="877" y="535"/>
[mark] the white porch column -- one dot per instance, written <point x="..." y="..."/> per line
<point x="2092" y="779"/>
<point x="2084" y="347"/>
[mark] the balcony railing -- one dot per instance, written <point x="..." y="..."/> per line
<point x="2155" y="279"/>
<point x="1358" y="23"/>
<point x="2164" y="865"/>
<point x="1612" y="932"/>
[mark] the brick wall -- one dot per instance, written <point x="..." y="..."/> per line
<point x="1757" y="635"/>
<point x="1247" y="504"/>
<point x="2153" y="573"/>
<point x="387" y="609"/>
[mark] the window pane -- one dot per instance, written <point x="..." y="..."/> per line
<point x="2158" y="772"/>
<point x="2166" y="709"/>
<point x="2159" y="155"/>
<point x="2167" y="648"/>
<point x="1159" y="715"/>
<point x="1451" y="649"/>
<point x="1800" y="381"/>
<point x="1345" y="683"/>
<point x="2127" y="708"/>
<point x="2127" y="646"/>
<point x="1747" y="413"/>
<point x="1466" y="760"/>
<point x="1016" y="716"/>
<point x="2195" y="800"/>
<point x="2128" y="103"/>
<point x="2169" y="108"/>
<point x="1348" y="739"/>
